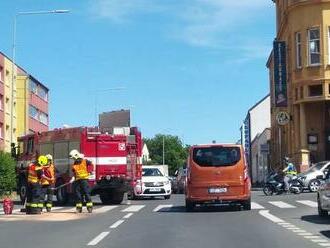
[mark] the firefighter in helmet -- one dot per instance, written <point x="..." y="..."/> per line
<point x="47" y="182"/>
<point x="81" y="168"/>
<point x="34" y="203"/>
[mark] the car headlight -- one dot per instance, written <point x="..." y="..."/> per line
<point x="166" y="182"/>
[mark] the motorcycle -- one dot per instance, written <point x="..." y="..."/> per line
<point x="275" y="184"/>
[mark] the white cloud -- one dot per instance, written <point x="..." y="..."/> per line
<point x="120" y="11"/>
<point x="204" y="23"/>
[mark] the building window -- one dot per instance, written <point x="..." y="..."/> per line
<point x="1" y="130"/>
<point x="7" y="105"/>
<point x="43" y="118"/>
<point x="301" y="92"/>
<point x="33" y="112"/>
<point x="1" y="102"/>
<point x="43" y="93"/>
<point x="296" y="94"/>
<point x="1" y="74"/>
<point x="33" y="86"/>
<point x="298" y="51"/>
<point x="7" y="132"/>
<point x="314" y="46"/>
<point x="315" y="90"/>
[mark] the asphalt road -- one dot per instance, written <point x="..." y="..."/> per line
<point x="276" y="221"/>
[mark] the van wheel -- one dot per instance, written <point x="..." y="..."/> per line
<point x="247" y="204"/>
<point x="189" y="206"/>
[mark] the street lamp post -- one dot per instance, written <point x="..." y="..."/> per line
<point x="163" y="149"/>
<point x="13" y="79"/>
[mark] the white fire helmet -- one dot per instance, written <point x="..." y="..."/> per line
<point x="49" y="157"/>
<point x="75" y="154"/>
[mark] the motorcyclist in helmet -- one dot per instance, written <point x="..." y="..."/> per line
<point x="290" y="171"/>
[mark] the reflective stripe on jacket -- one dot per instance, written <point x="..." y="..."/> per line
<point x="33" y="171"/>
<point x="80" y="170"/>
<point x="49" y="171"/>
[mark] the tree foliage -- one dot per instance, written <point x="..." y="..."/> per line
<point x="7" y="173"/>
<point x="175" y="152"/>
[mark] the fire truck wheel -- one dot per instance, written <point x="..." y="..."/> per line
<point x="111" y="197"/>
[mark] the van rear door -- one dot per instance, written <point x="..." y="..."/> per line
<point x="217" y="169"/>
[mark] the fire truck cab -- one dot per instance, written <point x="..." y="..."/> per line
<point x="116" y="159"/>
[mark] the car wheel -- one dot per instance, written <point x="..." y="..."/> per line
<point x="247" y="204"/>
<point x="314" y="185"/>
<point x="321" y="212"/>
<point x="166" y="197"/>
<point x="189" y="206"/>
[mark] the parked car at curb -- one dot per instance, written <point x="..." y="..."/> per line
<point x="309" y="177"/>
<point x="323" y="195"/>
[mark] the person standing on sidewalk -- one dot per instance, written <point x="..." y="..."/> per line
<point x="34" y="203"/>
<point x="47" y="182"/>
<point x="81" y="168"/>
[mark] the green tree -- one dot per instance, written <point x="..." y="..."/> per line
<point x="7" y="173"/>
<point x="175" y="152"/>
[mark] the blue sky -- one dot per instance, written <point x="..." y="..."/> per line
<point x="191" y="68"/>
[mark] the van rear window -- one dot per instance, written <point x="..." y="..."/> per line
<point x="216" y="156"/>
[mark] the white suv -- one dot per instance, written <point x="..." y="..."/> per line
<point x="154" y="183"/>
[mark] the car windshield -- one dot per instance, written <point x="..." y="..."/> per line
<point x="151" y="172"/>
<point x="317" y="166"/>
<point x="216" y="156"/>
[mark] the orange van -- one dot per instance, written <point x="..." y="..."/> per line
<point x="217" y="174"/>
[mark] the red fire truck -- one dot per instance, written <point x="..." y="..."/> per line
<point x="116" y="158"/>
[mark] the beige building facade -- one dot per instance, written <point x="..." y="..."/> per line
<point x="301" y="124"/>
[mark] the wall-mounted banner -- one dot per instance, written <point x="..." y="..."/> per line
<point x="280" y="77"/>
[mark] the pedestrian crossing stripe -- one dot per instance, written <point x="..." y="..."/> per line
<point x="281" y="204"/>
<point x="133" y="208"/>
<point x="309" y="203"/>
<point x="255" y="205"/>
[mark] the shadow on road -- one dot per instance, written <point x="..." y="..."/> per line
<point x="315" y="219"/>
<point x="201" y="209"/>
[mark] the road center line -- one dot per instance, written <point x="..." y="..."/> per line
<point x="159" y="207"/>
<point x="116" y="224"/>
<point x="98" y="238"/>
<point x="127" y="216"/>
<point x="267" y="215"/>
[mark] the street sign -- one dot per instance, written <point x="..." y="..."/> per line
<point x="283" y="118"/>
<point x="280" y="74"/>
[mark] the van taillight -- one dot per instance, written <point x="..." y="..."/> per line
<point x="246" y="173"/>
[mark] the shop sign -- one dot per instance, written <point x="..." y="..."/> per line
<point x="283" y="118"/>
<point x="280" y="77"/>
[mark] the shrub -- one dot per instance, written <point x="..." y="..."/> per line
<point x="7" y="173"/>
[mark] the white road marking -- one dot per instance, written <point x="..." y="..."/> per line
<point x="134" y="208"/>
<point x="281" y="204"/>
<point x="305" y="234"/>
<point x="293" y="228"/>
<point x="312" y="237"/>
<point x="319" y="240"/>
<point x="267" y="215"/>
<point x="159" y="207"/>
<point x="66" y="209"/>
<point x="288" y="225"/>
<point x="299" y="231"/>
<point x="127" y="216"/>
<point x="324" y="244"/>
<point x="117" y="223"/>
<point x="284" y="223"/>
<point x="97" y="239"/>
<point x="104" y="209"/>
<point x="312" y="204"/>
<point x="56" y="208"/>
<point x="255" y="205"/>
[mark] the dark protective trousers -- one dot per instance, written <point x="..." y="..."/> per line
<point x="33" y="198"/>
<point x="82" y="191"/>
<point x="47" y="195"/>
